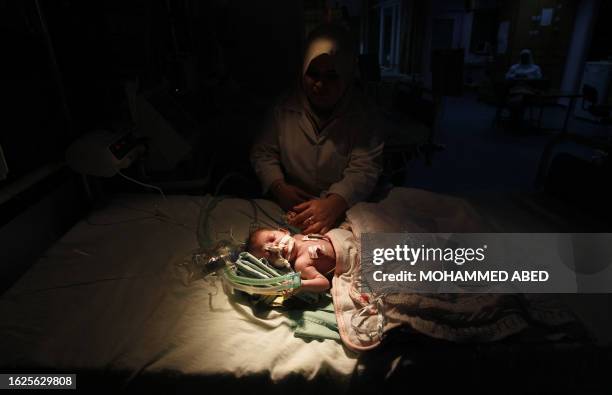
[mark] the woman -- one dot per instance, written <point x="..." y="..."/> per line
<point x="525" y="69"/>
<point x="519" y="76"/>
<point x="320" y="152"/>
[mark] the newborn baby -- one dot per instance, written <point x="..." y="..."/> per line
<point x="311" y="255"/>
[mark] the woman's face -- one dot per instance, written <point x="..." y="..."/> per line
<point x="322" y="83"/>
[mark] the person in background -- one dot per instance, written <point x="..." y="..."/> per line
<point x="519" y="76"/>
<point x="320" y="152"/>
<point x="525" y="69"/>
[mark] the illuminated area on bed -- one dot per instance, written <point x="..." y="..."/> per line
<point x="194" y="196"/>
<point x="110" y="296"/>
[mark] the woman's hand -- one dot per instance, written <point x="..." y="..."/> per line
<point x="319" y="215"/>
<point x="288" y="195"/>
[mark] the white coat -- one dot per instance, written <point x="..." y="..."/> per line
<point x="344" y="158"/>
<point x="525" y="70"/>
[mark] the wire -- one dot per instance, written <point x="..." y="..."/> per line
<point x="224" y="180"/>
<point x="158" y="214"/>
<point x="281" y="223"/>
<point x="155" y="216"/>
<point x="143" y="184"/>
<point x="255" y="204"/>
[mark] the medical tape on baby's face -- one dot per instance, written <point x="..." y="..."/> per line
<point x="271" y="247"/>
<point x="280" y="252"/>
<point x="289" y="242"/>
<point x="285" y="241"/>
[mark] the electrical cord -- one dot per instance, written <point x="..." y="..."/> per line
<point x="143" y="184"/>
<point x="157" y="214"/>
<point x="224" y="179"/>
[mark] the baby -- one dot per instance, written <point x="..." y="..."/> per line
<point x="311" y="255"/>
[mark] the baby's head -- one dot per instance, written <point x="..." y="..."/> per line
<point x="264" y="242"/>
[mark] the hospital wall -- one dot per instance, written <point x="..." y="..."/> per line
<point x="549" y="44"/>
<point x="264" y="48"/>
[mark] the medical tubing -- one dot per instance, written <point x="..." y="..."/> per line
<point x="293" y="229"/>
<point x="263" y="266"/>
<point x="226" y="177"/>
<point x="234" y="277"/>
<point x="248" y="257"/>
<point x="249" y="266"/>
<point x="254" y="267"/>
<point x="241" y="271"/>
<point x="292" y="279"/>
<point x="240" y="275"/>
<point x="246" y="266"/>
<point x="203" y="231"/>
<point x="276" y="290"/>
<point x="280" y="223"/>
<point x="254" y="207"/>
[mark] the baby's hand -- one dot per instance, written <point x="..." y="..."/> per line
<point x="290" y="292"/>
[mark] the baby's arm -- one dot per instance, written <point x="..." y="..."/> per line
<point x="313" y="281"/>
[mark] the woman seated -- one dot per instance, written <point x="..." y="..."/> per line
<point x="519" y="76"/>
<point x="321" y="151"/>
<point x="525" y="69"/>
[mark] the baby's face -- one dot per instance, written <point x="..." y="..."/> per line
<point x="264" y="237"/>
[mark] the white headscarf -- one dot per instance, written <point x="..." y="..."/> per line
<point x="335" y="41"/>
<point x="527" y="70"/>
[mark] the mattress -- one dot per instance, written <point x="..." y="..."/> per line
<point x="107" y="302"/>
<point x="109" y="299"/>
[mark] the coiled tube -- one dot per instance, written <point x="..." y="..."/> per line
<point x="269" y="290"/>
<point x="258" y="277"/>
<point x="290" y="280"/>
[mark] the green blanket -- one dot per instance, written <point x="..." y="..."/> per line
<point x="318" y="323"/>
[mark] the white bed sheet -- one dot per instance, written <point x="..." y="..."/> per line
<point x="107" y="296"/>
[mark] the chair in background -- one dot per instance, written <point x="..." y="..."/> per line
<point x="590" y="99"/>
<point x="544" y="97"/>
<point x="527" y="91"/>
<point x="500" y="97"/>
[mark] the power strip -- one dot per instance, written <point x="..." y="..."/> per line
<point x="3" y="166"/>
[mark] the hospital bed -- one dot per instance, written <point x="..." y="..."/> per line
<point x="110" y="302"/>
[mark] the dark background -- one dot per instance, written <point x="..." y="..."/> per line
<point x="211" y="69"/>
